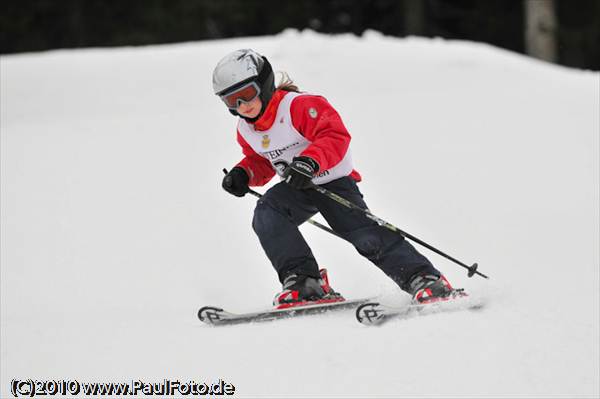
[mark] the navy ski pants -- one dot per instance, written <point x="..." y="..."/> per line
<point x="283" y="208"/>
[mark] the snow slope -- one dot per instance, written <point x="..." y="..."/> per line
<point x="115" y="228"/>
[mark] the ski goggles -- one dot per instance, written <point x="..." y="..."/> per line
<point x="243" y="94"/>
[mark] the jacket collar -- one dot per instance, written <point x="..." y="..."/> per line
<point x="268" y="117"/>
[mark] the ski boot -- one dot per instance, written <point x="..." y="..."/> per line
<point x="429" y="288"/>
<point x="299" y="290"/>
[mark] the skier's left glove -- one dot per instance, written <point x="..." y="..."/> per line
<point x="300" y="172"/>
<point x="236" y="182"/>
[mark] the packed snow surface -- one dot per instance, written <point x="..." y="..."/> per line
<point x="115" y="229"/>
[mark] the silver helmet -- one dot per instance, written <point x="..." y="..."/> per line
<point x="241" y="67"/>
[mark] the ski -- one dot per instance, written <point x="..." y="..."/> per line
<point x="218" y="317"/>
<point x="374" y="313"/>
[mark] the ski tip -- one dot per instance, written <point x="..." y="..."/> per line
<point x="210" y="314"/>
<point x="370" y="314"/>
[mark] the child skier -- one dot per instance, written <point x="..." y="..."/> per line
<point x="302" y="138"/>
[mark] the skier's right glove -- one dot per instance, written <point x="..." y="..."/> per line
<point x="236" y="182"/>
<point x="300" y="172"/>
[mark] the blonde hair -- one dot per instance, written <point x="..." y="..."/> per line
<point x="286" y="83"/>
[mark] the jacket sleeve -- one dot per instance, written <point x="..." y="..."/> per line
<point x="259" y="170"/>
<point x="320" y="123"/>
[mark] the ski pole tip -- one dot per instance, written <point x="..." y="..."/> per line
<point x="473" y="270"/>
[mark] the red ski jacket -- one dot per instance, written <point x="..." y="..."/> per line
<point x="328" y="136"/>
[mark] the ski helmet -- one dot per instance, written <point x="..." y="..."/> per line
<point x="241" y="67"/>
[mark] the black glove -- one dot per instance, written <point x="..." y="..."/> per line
<point x="300" y="172"/>
<point x="236" y="182"/>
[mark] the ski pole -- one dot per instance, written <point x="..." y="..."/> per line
<point x="472" y="269"/>
<point x="313" y="222"/>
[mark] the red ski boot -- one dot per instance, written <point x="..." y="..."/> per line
<point x="429" y="288"/>
<point x="300" y="290"/>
